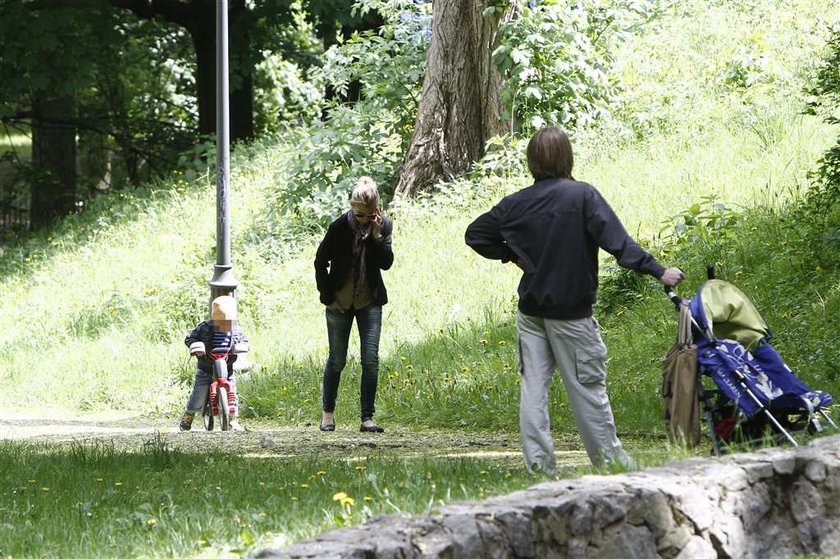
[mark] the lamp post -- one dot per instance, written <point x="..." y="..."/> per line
<point x="223" y="281"/>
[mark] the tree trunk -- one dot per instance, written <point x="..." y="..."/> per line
<point x="459" y="106"/>
<point x="202" y="28"/>
<point x="53" y="159"/>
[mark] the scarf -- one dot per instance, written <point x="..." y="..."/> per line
<point x="360" y="235"/>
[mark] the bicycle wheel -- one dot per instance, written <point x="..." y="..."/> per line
<point x="224" y="409"/>
<point x="207" y="415"/>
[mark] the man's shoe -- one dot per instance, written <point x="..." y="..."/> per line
<point x="327" y="427"/>
<point x="186" y="422"/>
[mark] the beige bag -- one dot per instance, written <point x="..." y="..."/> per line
<point x="680" y="389"/>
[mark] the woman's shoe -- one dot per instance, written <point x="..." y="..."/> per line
<point x="327" y="426"/>
<point x="370" y="427"/>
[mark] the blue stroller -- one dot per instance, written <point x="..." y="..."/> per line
<point x="753" y="388"/>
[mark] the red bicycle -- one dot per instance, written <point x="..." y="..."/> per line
<point x="221" y="399"/>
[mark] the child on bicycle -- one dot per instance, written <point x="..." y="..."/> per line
<point x="221" y="331"/>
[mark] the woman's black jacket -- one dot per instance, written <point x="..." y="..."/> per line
<point x="334" y="255"/>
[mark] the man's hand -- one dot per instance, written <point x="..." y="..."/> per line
<point x="672" y="276"/>
<point x="519" y="263"/>
<point x="334" y="306"/>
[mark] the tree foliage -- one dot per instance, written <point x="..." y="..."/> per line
<point x="555" y="58"/>
<point x="826" y="102"/>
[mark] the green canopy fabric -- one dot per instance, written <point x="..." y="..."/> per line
<point x="731" y="315"/>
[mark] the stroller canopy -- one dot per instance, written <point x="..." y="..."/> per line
<point x="722" y="311"/>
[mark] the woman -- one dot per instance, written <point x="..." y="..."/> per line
<point x="348" y="264"/>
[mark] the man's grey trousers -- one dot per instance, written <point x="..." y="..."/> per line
<point x="575" y="348"/>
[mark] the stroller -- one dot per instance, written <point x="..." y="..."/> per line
<point x="752" y="389"/>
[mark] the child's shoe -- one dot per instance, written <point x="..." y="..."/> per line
<point x="186" y="421"/>
<point x="236" y="426"/>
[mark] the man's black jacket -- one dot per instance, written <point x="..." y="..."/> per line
<point x="555" y="228"/>
<point x="334" y="255"/>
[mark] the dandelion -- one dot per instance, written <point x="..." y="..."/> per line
<point x="360" y="467"/>
<point x="99" y="479"/>
<point x="45" y="489"/>
<point x="304" y="485"/>
<point x="343" y="499"/>
<point x="152" y="521"/>
<point x="320" y="473"/>
<point x="118" y="483"/>
<point x="484" y="342"/>
<point x="368" y="498"/>
<point x="502" y="342"/>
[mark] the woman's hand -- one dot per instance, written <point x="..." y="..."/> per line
<point x="376" y="225"/>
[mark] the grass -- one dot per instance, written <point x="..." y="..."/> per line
<point x="155" y="501"/>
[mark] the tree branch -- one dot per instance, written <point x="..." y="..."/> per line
<point x="175" y="11"/>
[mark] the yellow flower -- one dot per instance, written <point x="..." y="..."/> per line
<point x="151" y="521"/>
<point x="343" y="499"/>
<point x="305" y="485"/>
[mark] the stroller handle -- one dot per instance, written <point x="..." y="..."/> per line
<point x="672" y="295"/>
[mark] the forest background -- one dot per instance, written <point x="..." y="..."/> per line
<point x="709" y="126"/>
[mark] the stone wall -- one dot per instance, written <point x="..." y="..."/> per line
<point x="770" y="503"/>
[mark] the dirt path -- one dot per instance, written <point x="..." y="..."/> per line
<point x="267" y="440"/>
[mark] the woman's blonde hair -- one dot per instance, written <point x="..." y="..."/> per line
<point x="365" y="193"/>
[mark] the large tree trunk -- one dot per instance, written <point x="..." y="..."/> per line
<point x="459" y="107"/>
<point x="53" y="159"/>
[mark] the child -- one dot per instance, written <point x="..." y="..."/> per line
<point x="221" y="331"/>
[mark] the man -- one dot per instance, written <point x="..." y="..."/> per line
<point x="552" y="230"/>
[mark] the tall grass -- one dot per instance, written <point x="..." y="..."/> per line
<point x="101" y="304"/>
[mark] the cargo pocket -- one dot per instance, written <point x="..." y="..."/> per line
<point x="590" y="366"/>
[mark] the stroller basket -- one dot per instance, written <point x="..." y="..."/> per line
<point x="753" y="386"/>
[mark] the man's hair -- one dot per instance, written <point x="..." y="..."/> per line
<point x="550" y="154"/>
<point x="365" y="193"/>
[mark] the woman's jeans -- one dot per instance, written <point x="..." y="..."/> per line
<point x="369" y="323"/>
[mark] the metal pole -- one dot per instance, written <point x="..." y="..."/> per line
<point x="223" y="282"/>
